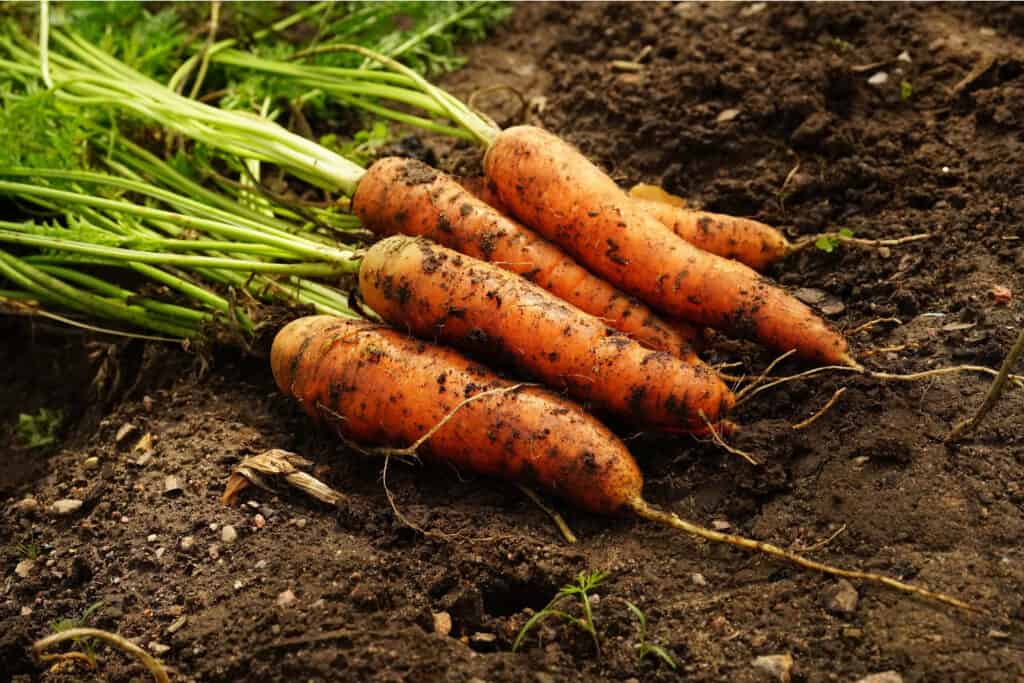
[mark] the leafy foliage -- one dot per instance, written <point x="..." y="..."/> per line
<point x="362" y="147"/>
<point x="149" y="41"/>
<point x="40" y="429"/>
<point x="828" y="243"/>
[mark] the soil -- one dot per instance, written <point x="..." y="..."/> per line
<point x="759" y="110"/>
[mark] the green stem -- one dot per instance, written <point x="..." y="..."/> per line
<point x="34" y="279"/>
<point x="113" y="291"/>
<point x="175" y="259"/>
<point x="286" y="241"/>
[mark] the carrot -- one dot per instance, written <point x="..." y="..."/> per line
<point x="375" y="386"/>
<point x="747" y="241"/>
<point x="476" y="306"/>
<point x="405" y="196"/>
<point x="552" y="187"/>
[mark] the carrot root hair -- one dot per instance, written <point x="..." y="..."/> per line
<point x="645" y="510"/>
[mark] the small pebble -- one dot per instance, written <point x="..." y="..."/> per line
<point x="213" y="551"/>
<point x="442" y="623"/>
<point x="26" y="506"/>
<point x="124" y="432"/>
<point x="158" y="648"/>
<point x="810" y="296"/>
<point x="720" y="525"/>
<point x="301" y="523"/>
<point x="780" y="667"/>
<point x="698" y="579"/>
<point x="259" y="521"/>
<point x="727" y="115"/>
<point x="91" y="463"/>
<point x="24" y="568"/>
<point x="160" y="552"/>
<point x="143" y="460"/>
<point x="26" y="611"/>
<point x="880" y="78"/>
<point x="883" y="677"/>
<point x="172" y="486"/>
<point x="752" y="9"/>
<point x="177" y="624"/>
<point x="253" y="504"/>
<point x="260" y="565"/>
<point x="65" y="506"/>
<point x="151" y="538"/>
<point x="834" y="307"/>
<point x="228" y="534"/>
<point x="238" y="585"/>
<point x="841" y="597"/>
<point x="187" y="543"/>
<point x="147" y="404"/>
<point x="285" y="598"/>
<point x="904" y="56"/>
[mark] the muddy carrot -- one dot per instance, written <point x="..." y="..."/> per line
<point x="741" y="239"/>
<point x="747" y="241"/>
<point x="375" y="386"/>
<point x="552" y="187"/>
<point x="405" y="196"/>
<point x="437" y="293"/>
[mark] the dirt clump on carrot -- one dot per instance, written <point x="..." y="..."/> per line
<point x="405" y="196"/>
<point x="376" y="386"/>
<point x="552" y="187"/>
<point x="439" y="294"/>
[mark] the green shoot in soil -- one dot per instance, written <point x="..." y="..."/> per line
<point x="39" y="430"/>
<point x="83" y="620"/>
<point x="578" y="590"/>
<point x="645" y="649"/>
<point x="27" y="551"/>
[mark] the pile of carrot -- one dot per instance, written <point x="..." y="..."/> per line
<point x="570" y="283"/>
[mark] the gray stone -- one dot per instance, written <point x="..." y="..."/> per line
<point x="841" y="597"/>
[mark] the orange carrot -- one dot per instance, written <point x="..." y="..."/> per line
<point x="551" y="186"/>
<point x="405" y="196"/>
<point x="747" y="241"/>
<point x="374" y="386"/>
<point x="437" y="293"/>
<point x="744" y="240"/>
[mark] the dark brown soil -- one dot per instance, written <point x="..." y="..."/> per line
<point x="944" y="158"/>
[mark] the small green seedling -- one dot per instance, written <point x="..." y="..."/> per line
<point x="906" y="90"/>
<point x="841" y="45"/>
<point x="27" y="551"/>
<point x="82" y="621"/>
<point x="644" y="648"/>
<point x="828" y="243"/>
<point x="40" y="429"/>
<point x="584" y="583"/>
